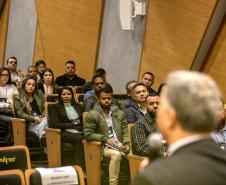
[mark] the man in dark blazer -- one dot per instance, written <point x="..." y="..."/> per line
<point x="186" y="116"/>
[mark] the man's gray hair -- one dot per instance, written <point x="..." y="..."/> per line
<point x="195" y="98"/>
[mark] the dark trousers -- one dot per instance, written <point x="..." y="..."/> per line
<point x="75" y="139"/>
<point x="6" y="123"/>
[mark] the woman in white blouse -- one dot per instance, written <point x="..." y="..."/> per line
<point x="7" y="90"/>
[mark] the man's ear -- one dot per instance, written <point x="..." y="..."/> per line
<point x="172" y="118"/>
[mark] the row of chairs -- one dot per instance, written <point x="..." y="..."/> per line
<point x="15" y="167"/>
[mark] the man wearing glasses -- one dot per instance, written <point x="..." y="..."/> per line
<point x="16" y="76"/>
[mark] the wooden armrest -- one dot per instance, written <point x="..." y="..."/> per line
<point x="19" y="131"/>
<point x="136" y="157"/>
<point x="53" y="143"/>
<point x="134" y="164"/>
<point x="91" y="142"/>
<point x="53" y="130"/>
<point x="92" y="160"/>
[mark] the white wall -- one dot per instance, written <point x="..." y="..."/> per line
<point x="21" y="32"/>
<point x="120" y="51"/>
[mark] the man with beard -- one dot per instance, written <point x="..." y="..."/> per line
<point x="107" y="124"/>
<point x="98" y="82"/>
<point x="219" y="135"/>
<point x="144" y="127"/>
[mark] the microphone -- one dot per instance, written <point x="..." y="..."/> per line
<point x="155" y="142"/>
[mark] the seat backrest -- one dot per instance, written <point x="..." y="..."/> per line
<point x="47" y="108"/>
<point x="78" y="89"/>
<point x="12" y="177"/>
<point x="119" y="98"/>
<point x="51" y="97"/>
<point x="79" y="97"/>
<point x="14" y="157"/>
<point x="33" y="177"/>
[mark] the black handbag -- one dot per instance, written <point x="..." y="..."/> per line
<point x="6" y="112"/>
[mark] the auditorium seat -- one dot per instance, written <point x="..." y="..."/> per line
<point x="14" y="157"/>
<point x="79" y="97"/>
<point x="119" y="98"/>
<point x="51" y="97"/>
<point x="58" y="153"/>
<point x="12" y="177"/>
<point x="101" y="167"/>
<point x="33" y="177"/>
<point x="78" y="89"/>
<point x="23" y="137"/>
<point x="134" y="160"/>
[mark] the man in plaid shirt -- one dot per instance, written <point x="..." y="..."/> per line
<point x="145" y="126"/>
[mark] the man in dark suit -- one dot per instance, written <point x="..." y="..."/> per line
<point x="186" y="116"/>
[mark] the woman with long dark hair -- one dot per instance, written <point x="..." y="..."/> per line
<point x="29" y="105"/>
<point x="7" y="90"/>
<point x="67" y="116"/>
<point x="48" y="85"/>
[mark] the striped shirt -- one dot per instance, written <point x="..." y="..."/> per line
<point x="141" y="130"/>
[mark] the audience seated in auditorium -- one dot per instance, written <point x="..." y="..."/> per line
<point x="17" y="76"/>
<point x="98" y="82"/>
<point x="144" y="127"/>
<point x="29" y="105"/>
<point x="48" y="85"/>
<point x="148" y="80"/>
<point x="67" y="116"/>
<point x="7" y="90"/>
<point x="107" y="124"/>
<point x="70" y="78"/>
<point x="136" y="106"/>
<point x="219" y="135"/>
<point x="88" y="86"/>
<point x="41" y="66"/>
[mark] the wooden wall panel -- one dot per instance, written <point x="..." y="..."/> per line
<point x="69" y="30"/>
<point x="216" y="62"/>
<point x="173" y="34"/>
<point x="3" y="30"/>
